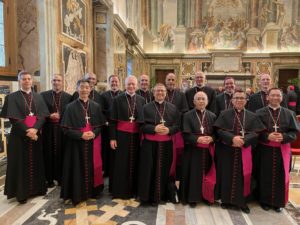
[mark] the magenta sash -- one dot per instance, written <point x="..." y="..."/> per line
<point x="97" y="160"/>
<point x="161" y="138"/>
<point x="209" y="179"/>
<point x="286" y="154"/>
<point x="292" y="103"/>
<point x="30" y="121"/>
<point x="247" y="168"/>
<point x="126" y="126"/>
<point x="179" y="144"/>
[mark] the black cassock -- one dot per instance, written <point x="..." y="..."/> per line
<point x="272" y="189"/>
<point x="178" y="99"/>
<point x="147" y="95"/>
<point x="156" y="157"/>
<point x="124" y="178"/>
<point x="196" y="161"/>
<point x="78" y="168"/>
<point x="25" y="174"/>
<point x="230" y="176"/>
<point x="259" y="100"/>
<point x="107" y="155"/>
<point x="53" y="136"/>
<point x="211" y="95"/>
<point x="223" y="102"/>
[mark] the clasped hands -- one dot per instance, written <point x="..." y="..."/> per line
<point x="161" y="129"/>
<point x="275" y="136"/>
<point x="32" y="134"/>
<point x="204" y="140"/>
<point x="55" y="116"/>
<point x="238" y="141"/>
<point x="88" y="135"/>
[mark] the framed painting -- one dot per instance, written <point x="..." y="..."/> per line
<point x="74" y="66"/>
<point x="73" y="19"/>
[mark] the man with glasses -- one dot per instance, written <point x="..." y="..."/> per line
<point x="200" y="80"/>
<point x="156" y="183"/>
<point x="237" y="133"/>
<point x="56" y="101"/>
<point x="275" y="151"/>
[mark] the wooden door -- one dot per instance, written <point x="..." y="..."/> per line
<point x="160" y="75"/>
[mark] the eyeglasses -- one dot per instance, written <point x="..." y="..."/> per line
<point x="239" y="98"/>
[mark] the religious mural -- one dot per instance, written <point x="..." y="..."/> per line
<point x="74" y="62"/>
<point x="73" y="16"/>
<point x="253" y="26"/>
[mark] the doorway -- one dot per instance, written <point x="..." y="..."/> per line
<point x="285" y="75"/>
<point x="160" y="75"/>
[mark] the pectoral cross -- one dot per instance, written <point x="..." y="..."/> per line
<point x="87" y="118"/>
<point x="243" y="133"/>
<point x="202" y="129"/>
<point x="275" y="127"/>
<point x="131" y="119"/>
<point x="162" y="121"/>
<point x="31" y="114"/>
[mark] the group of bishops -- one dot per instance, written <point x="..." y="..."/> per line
<point x="227" y="147"/>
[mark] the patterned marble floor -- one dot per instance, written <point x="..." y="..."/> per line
<point x="51" y="210"/>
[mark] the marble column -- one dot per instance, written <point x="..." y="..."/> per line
<point x="154" y="17"/>
<point x="160" y="13"/>
<point x="198" y="14"/>
<point x="180" y="29"/>
<point x="270" y="34"/>
<point x="253" y="33"/>
<point x="180" y="13"/>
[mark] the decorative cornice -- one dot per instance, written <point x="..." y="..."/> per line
<point x="121" y="26"/>
<point x="131" y="37"/>
<point x="106" y="3"/>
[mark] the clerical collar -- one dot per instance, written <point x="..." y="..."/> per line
<point x="143" y="90"/>
<point x="239" y="110"/>
<point x="131" y="95"/>
<point x="274" y="108"/>
<point x="27" y="92"/>
<point x="225" y="92"/>
<point x="57" y="91"/>
<point x="202" y="86"/>
<point x="202" y="110"/>
<point x="83" y="100"/>
<point x="160" y="102"/>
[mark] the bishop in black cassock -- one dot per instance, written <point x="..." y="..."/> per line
<point x="199" y="174"/>
<point x="237" y="132"/>
<point x="56" y="101"/>
<point x="144" y="90"/>
<point x="126" y="117"/>
<point x="274" y="151"/>
<point x="82" y="167"/>
<point x="157" y="163"/>
<point x="26" y="111"/>
<point x="223" y="100"/>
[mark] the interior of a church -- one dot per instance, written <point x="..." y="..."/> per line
<point x="238" y="38"/>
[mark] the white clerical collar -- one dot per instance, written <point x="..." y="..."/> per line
<point x="56" y="91"/>
<point x="228" y="93"/>
<point x="274" y="108"/>
<point x="160" y="102"/>
<point x="27" y="92"/>
<point x="200" y="86"/>
<point x="131" y="95"/>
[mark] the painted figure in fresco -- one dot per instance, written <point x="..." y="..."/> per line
<point x="280" y="12"/>
<point x="196" y="40"/>
<point x="166" y="35"/>
<point x="263" y="16"/>
<point x="289" y="37"/>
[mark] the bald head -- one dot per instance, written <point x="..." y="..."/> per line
<point x="265" y="82"/>
<point x="170" y="81"/>
<point x="144" y="82"/>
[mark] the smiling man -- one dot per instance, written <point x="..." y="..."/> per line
<point x="237" y="131"/>
<point x="56" y="101"/>
<point x="157" y="159"/>
<point x="126" y="117"/>
<point x="274" y="151"/>
<point x="144" y="90"/>
<point x="82" y="167"/>
<point x="27" y="112"/>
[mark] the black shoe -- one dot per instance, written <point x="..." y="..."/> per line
<point x="50" y="184"/>
<point x="207" y="202"/>
<point x="245" y="209"/>
<point x="23" y="201"/>
<point x="193" y="204"/>
<point x="265" y="207"/>
<point x="277" y="209"/>
<point x="224" y="206"/>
